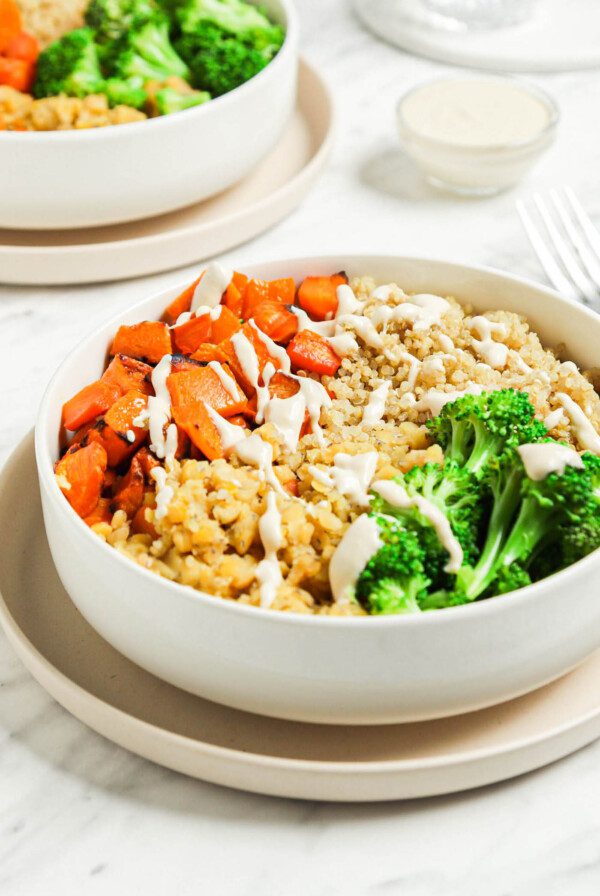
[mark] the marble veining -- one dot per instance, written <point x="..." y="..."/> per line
<point x="79" y="815"/>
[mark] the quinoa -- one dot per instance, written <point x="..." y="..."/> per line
<point x="209" y="538"/>
<point x="50" y="20"/>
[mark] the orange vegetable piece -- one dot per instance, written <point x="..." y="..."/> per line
<point x="226" y="324"/>
<point x="262" y="354"/>
<point x="83" y="469"/>
<point x="275" y="320"/>
<point x="208" y="352"/>
<point x="23" y="46"/>
<point x="188" y="336"/>
<point x="127" y="373"/>
<point x="318" y="297"/>
<point x="147" y="460"/>
<point x="10" y="23"/>
<point x="147" y="341"/>
<point x="256" y="292"/>
<point x="283" y="290"/>
<point x="111" y="431"/>
<point x="192" y="387"/>
<point x="202" y="431"/>
<point x="182" y="303"/>
<point x="89" y="403"/>
<point x="283" y="386"/>
<point x="234" y="294"/>
<point x="239" y="420"/>
<point x="291" y="486"/>
<point x="17" y="73"/>
<point x="141" y="526"/>
<point x="100" y="514"/>
<point x="181" y="362"/>
<point x="309" y="351"/>
<point x="129" y="494"/>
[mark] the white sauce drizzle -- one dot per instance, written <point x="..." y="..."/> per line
<point x="268" y="573"/>
<point x="542" y="458"/>
<point x="287" y="416"/>
<point x="554" y="419"/>
<point x="255" y="451"/>
<point x="164" y="492"/>
<point x="375" y="408"/>
<point x="276" y="351"/>
<point x="316" y="398"/>
<point x="228" y="382"/>
<point x="162" y="443"/>
<point x="413" y="368"/>
<point x="363" y="327"/>
<point x="433" y="364"/>
<point x="585" y="432"/>
<point x="359" y="544"/>
<point x="350" y="475"/>
<point x="445" y="342"/>
<point x="434" y="400"/>
<point x="397" y="496"/>
<point x="347" y="301"/>
<point x="248" y="359"/>
<point x="209" y="291"/>
<point x="229" y="433"/>
<point x="493" y="353"/>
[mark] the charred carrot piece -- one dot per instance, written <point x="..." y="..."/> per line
<point x="100" y="514"/>
<point x="208" y="352"/>
<point x="129" y="493"/>
<point x="200" y="428"/>
<point x="283" y="386"/>
<point x="182" y="303"/>
<point x="262" y="355"/>
<point x="81" y="476"/>
<point x="127" y="373"/>
<point x="141" y="526"/>
<point x="275" y="320"/>
<point x="225" y="325"/>
<point x="182" y="362"/>
<point x="147" y="461"/>
<point x="114" y="430"/>
<point x="189" y="336"/>
<point x="318" y="295"/>
<point x="234" y="294"/>
<point x="147" y="341"/>
<point x="190" y="387"/>
<point x="89" y="403"/>
<point x="309" y="351"/>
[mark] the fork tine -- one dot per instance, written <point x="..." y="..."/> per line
<point x="567" y="257"/>
<point x="589" y="259"/>
<point x="584" y="220"/>
<point x="553" y="271"/>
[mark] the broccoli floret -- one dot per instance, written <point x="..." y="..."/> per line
<point x="525" y="515"/>
<point x="219" y="63"/>
<point x="69" y="65"/>
<point x="126" y="93"/>
<point x="394" y="578"/>
<point x="111" y="19"/>
<point x="168" y="100"/>
<point x="475" y="428"/>
<point x="244" y="21"/>
<point x="146" y="53"/>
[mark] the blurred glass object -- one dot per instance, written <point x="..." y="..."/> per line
<point x="478" y="14"/>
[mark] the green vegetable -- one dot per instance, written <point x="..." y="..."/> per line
<point x="126" y="93"/>
<point x="244" y="21"/>
<point x="111" y="19"/>
<point x="169" y="100"/>
<point x="145" y="53"/>
<point x="219" y="63"/>
<point x="394" y="579"/>
<point x="69" y="65"/>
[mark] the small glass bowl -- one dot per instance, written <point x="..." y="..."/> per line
<point x="481" y="170"/>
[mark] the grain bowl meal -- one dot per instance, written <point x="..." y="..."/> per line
<point x="336" y="448"/>
<point x="129" y="59"/>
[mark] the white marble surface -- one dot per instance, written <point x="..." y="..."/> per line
<point x="81" y="816"/>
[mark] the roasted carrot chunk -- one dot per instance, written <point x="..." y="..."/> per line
<point x="127" y="373"/>
<point x="262" y="354"/>
<point x="23" y="46"/>
<point x="81" y="477"/>
<point x="283" y="386"/>
<point x="239" y="420"/>
<point x="89" y="403"/>
<point x="224" y="326"/>
<point x="208" y="352"/>
<point x="147" y="341"/>
<point x="181" y="362"/>
<point x="202" y="431"/>
<point x="100" y="514"/>
<point x="234" y="294"/>
<point x="129" y="493"/>
<point x="283" y="290"/>
<point x="275" y="320"/>
<point x="115" y="429"/>
<point x="141" y="526"/>
<point x="309" y="351"/>
<point x="256" y="292"/>
<point x="188" y="336"/>
<point x="318" y="295"/>
<point x="191" y="387"/>
<point x="17" y="73"/>
<point x="147" y="461"/>
<point x="182" y="303"/>
<point x="10" y="23"/>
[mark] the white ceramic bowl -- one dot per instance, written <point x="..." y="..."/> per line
<point x="311" y="668"/>
<point x="67" y="179"/>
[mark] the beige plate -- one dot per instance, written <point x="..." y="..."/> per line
<point x="271" y="192"/>
<point x="202" y="739"/>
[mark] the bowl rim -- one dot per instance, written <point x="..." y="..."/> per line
<point x="444" y="616"/>
<point x="489" y="149"/>
<point x="288" y="48"/>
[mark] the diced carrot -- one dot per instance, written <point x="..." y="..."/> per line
<point x="129" y="493"/>
<point x="10" y="23"/>
<point x="225" y="325"/>
<point x="275" y="320"/>
<point x="79" y="436"/>
<point x="23" y="46"/>
<point x="201" y="430"/>
<point x="262" y="355"/>
<point x="147" y="460"/>
<point x="141" y="526"/>
<point x="188" y="336"/>
<point x="283" y="386"/>
<point x="234" y="294"/>
<point x="309" y="351"/>
<point x="283" y="291"/>
<point x="257" y="291"/>
<point x="110" y="480"/>
<point x="113" y="430"/>
<point x="203" y="384"/>
<point x="183" y="443"/>
<point x="208" y="352"/>
<point x="127" y="373"/>
<point x="180" y="362"/>
<point x="100" y="514"/>
<point x="182" y="303"/>
<point x="239" y="420"/>
<point x="89" y="403"/>
<point x="147" y="341"/>
<point x="83" y="469"/>
<point x="318" y="295"/>
<point x="17" y="73"/>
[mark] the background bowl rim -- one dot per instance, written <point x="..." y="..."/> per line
<point x="444" y="616"/>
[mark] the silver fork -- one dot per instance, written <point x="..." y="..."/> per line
<point x="567" y="244"/>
